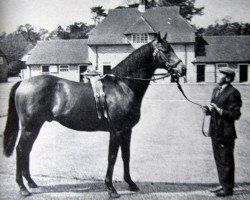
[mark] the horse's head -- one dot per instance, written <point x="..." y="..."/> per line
<point x="165" y="57"/>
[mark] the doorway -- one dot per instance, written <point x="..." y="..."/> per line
<point x="106" y="69"/>
<point x="200" y="73"/>
<point x="243" y="73"/>
<point x="82" y="69"/>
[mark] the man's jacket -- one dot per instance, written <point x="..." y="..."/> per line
<point x="222" y="127"/>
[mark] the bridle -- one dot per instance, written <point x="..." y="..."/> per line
<point x="171" y="72"/>
<point x="175" y="78"/>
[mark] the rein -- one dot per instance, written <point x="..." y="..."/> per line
<point x="146" y="79"/>
<point x="195" y="103"/>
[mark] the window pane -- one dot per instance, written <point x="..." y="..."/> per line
<point x="64" y="68"/>
<point x="45" y="68"/>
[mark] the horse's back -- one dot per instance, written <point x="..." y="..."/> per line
<point x="47" y="98"/>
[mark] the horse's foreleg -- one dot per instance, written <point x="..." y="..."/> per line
<point x="125" y="147"/>
<point x="113" y="150"/>
<point x="23" y="151"/>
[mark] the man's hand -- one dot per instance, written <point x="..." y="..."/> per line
<point x="207" y="109"/>
<point x="214" y="106"/>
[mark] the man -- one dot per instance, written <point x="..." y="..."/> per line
<point x="224" y="110"/>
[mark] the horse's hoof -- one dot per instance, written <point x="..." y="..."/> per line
<point x="33" y="185"/>
<point x="134" y="188"/>
<point x="113" y="195"/>
<point x="25" y="192"/>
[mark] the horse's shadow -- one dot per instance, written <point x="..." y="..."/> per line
<point x="145" y="188"/>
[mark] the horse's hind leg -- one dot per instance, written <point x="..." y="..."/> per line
<point x="125" y="147"/>
<point x="24" y="147"/>
<point x="113" y="150"/>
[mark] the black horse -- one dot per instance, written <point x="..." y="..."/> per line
<point x="47" y="98"/>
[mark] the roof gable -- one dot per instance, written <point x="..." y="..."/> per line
<point x="140" y="26"/>
<point x="161" y="19"/>
<point x="226" y="49"/>
<point x="59" y="52"/>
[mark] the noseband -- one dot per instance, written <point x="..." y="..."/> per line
<point x="169" y="66"/>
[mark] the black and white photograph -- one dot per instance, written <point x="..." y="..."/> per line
<point x="124" y="99"/>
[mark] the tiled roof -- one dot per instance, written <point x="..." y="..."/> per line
<point x="140" y="26"/>
<point x="113" y="28"/>
<point x="59" y="52"/>
<point x="226" y="49"/>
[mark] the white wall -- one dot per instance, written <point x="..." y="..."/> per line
<point x="112" y="55"/>
<point x="108" y="55"/>
<point x="72" y="74"/>
<point x="185" y="52"/>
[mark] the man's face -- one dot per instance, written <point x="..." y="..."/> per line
<point x="222" y="78"/>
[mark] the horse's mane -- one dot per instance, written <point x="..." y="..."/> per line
<point x="134" y="62"/>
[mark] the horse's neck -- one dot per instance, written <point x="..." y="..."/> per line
<point x="137" y="66"/>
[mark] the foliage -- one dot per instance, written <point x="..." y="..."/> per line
<point x="98" y="13"/>
<point x="15" y="45"/>
<point x="78" y="30"/>
<point x="187" y="7"/>
<point x="226" y="27"/>
<point x="58" y="33"/>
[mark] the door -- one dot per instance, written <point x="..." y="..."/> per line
<point x="200" y="73"/>
<point x="243" y="73"/>
<point x="82" y="69"/>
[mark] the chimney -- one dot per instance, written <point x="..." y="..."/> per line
<point x="142" y="6"/>
<point x="158" y="3"/>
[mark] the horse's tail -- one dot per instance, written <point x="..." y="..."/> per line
<point x="12" y="126"/>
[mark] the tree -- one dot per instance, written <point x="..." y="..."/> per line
<point x="18" y="43"/>
<point x="29" y="33"/>
<point x="79" y="30"/>
<point x="15" y="46"/>
<point x="226" y="27"/>
<point x="98" y="13"/>
<point x="59" y="33"/>
<point x="187" y="7"/>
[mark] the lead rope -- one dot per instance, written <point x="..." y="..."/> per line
<point x="195" y="103"/>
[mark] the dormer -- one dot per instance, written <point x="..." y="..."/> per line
<point x="140" y="32"/>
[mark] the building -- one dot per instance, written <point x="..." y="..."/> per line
<point x="63" y="58"/>
<point x="124" y="30"/>
<point x="3" y="67"/>
<point x="222" y="51"/>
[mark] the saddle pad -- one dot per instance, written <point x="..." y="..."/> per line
<point x="99" y="96"/>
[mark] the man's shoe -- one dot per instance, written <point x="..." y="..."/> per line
<point x="224" y="193"/>
<point x="217" y="189"/>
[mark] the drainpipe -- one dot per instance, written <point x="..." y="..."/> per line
<point x="96" y="50"/>
<point x="185" y="46"/>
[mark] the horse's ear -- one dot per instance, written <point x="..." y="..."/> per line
<point x="165" y="37"/>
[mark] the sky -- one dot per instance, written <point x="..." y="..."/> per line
<point x="49" y="14"/>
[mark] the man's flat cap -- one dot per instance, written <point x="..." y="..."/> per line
<point x="227" y="71"/>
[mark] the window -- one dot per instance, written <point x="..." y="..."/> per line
<point x="140" y="38"/>
<point x="219" y="65"/>
<point x="45" y="68"/>
<point x="64" y="68"/>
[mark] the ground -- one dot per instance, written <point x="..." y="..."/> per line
<point x="170" y="158"/>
